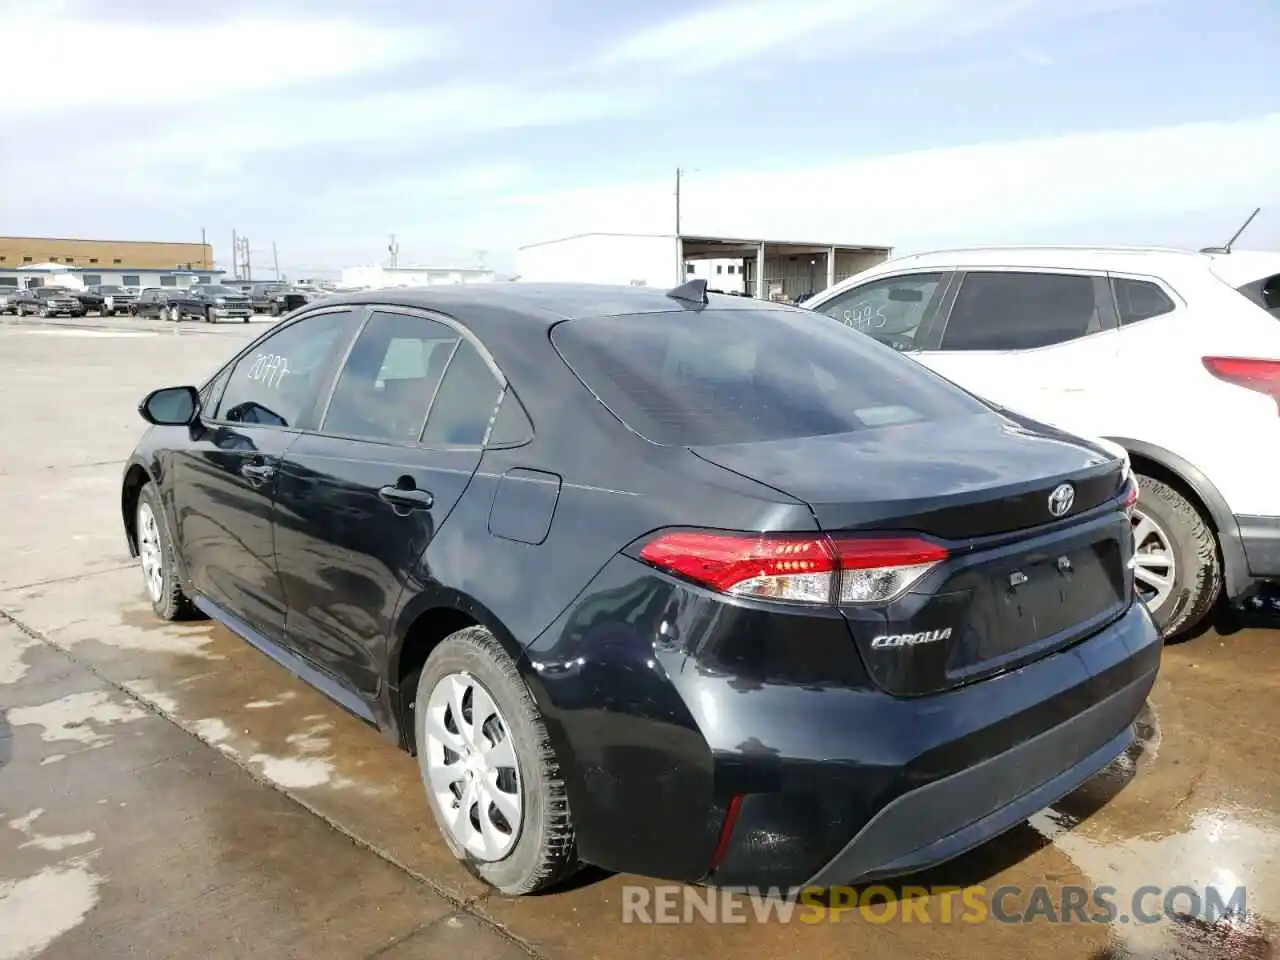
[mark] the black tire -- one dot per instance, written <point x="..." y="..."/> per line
<point x="208" y="315"/>
<point x="1197" y="579"/>
<point x="275" y="309"/>
<point x="172" y="603"/>
<point x="545" y="852"/>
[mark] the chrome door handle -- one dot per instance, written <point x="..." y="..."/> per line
<point x="411" y="498"/>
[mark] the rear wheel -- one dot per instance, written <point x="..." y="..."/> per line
<point x="488" y="766"/>
<point x="208" y="316"/>
<point x="1176" y="568"/>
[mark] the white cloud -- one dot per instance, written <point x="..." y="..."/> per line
<point x="970" y="193"/>
<point x="447" y="110"/>
<point x="79" y="64"/>
<point x="710" y="38"/>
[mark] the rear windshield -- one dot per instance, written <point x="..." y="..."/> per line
<point x="739" y="376"/>
<point x="1265" y="293"/>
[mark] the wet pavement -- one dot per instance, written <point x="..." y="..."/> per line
<point x="166" y="791"/>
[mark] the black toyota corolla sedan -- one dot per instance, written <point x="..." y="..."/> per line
<point x="702" y="588"/>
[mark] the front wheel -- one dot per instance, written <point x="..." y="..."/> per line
<point x="1176" y="568"/>
<point x="156" y="552"/>
<point x="490" y="772"/>
<point x="208" y="316"/>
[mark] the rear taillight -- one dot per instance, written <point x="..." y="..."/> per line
<point x="1130" y="494"/>
<point x="1262" y="376"/>
<point x="799" y="568"/>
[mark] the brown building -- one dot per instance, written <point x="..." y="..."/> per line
<point x="17" y="252"/>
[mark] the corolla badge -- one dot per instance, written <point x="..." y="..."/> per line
<point x="909" y="639"/>
<point x="1062" y="499"/>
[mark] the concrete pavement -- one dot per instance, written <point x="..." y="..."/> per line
<point x="166" y="791"/>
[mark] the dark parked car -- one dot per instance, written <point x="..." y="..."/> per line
<point x="153" y="302"/>
<point x="212" y="302"/>
<point x="272" y="296"/>
<point x="91" y="300"/>
<point x="112" y="299"/>
<point x="48" y="302"/>
<point x="713" y="591"/>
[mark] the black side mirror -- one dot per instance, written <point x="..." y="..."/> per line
<point x="170" y="406"/>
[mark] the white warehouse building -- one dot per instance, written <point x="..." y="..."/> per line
<point x="730" y="265"/>
<point x="379" y="277"/>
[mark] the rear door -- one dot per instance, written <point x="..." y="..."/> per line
<point x="360" y="500"/>
<point x="1040" y="342"/>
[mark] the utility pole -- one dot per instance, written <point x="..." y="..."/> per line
<point x="393" y="248"/>
<point x="679" y="245"/>
<point x="242" y="259"/>
<point x="275" y="259"/>
<point x="235" y="256"/>
<point x="208" y="264"/>
<point x="678" y="173"/>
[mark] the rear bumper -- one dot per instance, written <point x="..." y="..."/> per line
<point x="999" y="751"/>
<point x="669" y="707"/>
<point x="957" y="813"/>
<point x="1260" y="538"/>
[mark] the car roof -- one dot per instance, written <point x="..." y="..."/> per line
<point x="1146" y="260"/>
<point x="542" y="304"/>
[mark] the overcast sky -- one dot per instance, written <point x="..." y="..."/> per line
<point x="479" y="126"/>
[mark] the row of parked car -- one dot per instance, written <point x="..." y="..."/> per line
<point x="209" y="302"/>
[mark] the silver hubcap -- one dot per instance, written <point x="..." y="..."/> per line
<point x="472" y="769"/>
<point x="149" y="551"/>
<point x="1154" y="565"/>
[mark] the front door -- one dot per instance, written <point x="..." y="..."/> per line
<point x="226" y="480"/>
<point x="358" y="504"/>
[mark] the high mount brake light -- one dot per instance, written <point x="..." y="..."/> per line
<point x="800" y="568"/>
<point x="1262" y="376"/>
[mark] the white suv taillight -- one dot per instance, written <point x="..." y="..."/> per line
<point x="799" y="568"/>
<point x="1262" y="376"/>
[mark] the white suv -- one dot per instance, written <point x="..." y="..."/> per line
<point x="1173" y="355"/>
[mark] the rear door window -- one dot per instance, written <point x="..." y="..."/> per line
<point x="736" y="376"/>
<point x="389" y="378"/>
<point x="1021" y="311"/>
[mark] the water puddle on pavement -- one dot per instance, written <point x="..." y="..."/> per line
<point x="1216" y="868"/>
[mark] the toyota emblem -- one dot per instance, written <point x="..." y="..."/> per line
<point x="1062" y="499"/>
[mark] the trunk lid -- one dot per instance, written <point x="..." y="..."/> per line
<point x="1020" y="581"/>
